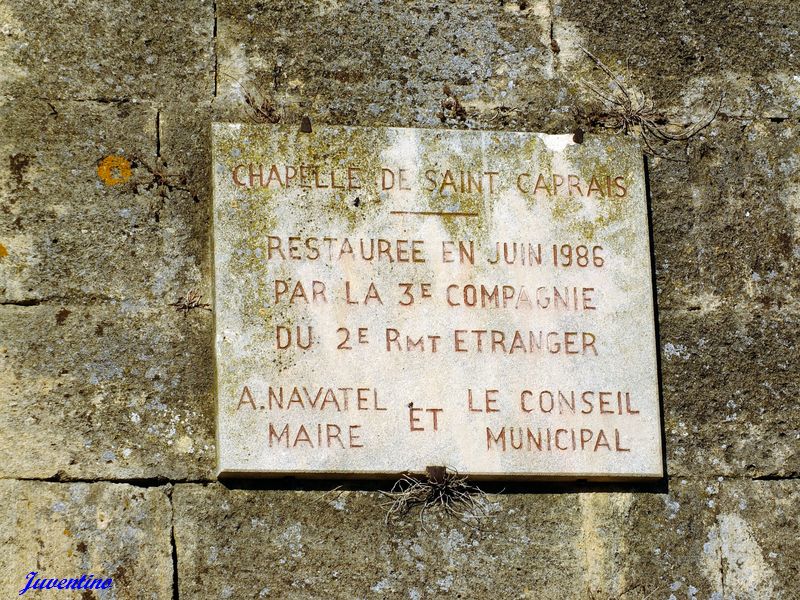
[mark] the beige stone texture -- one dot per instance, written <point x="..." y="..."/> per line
<point x="94" y="391"/>
<point x="117" y="51"/>
<point x="63" y="531"/>
<point x="702" y="539"/>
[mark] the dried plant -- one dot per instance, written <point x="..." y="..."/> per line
<point x="502" y="113"/>
<point x="630" y="111"/>
<point x="162" y="179"/>
<point x="335" y="492"/>
<point x="451" y="107"/>
<point x="260" y="107"/>
<point x="191" y="301"/>
<point x="440" y="489"/>
<point x="160" y="182"/>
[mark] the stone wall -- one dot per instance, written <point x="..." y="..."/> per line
<point x="107" y="449"/>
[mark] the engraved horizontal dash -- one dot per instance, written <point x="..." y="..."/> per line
<point x="434" y="213"/>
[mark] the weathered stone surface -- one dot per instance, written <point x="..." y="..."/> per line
<point x="66" y="530"/>
<point x="363" y="63"/>
<point x="684" y="57"/>
<point x="641" y="545"/>
<point x="755" y="540"/>
<point x="730" y="392"/>
<point x="107" y="50"/>
<point x="106" y="390"/>
<point x="68" y="233"/>
<point x="311" y="544"/>
<point x="185" y="147"/>
<point x="721" y="539"/>
<point x="726" y="224"/>
<point x="699" y="540"/>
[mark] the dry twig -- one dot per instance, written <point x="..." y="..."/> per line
<point x="337" y="491"/>
<point x="161" y="178"/>
<point x="623" y="594"/>
<point x="161" y="183"/>
<point x="629" y="111"/>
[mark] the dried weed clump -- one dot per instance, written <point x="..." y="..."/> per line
<point x="451" y="107"/>
<point x="260" y="109"/>
<point x="440" y="489"/>
<point x="629" y="111"/>
<point x="191" y="301"/>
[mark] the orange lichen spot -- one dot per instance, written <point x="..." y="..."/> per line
<point x="113" y="170"/>
<point x="3" y="251"/>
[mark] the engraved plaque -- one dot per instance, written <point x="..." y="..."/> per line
<point x="391" y="299"/>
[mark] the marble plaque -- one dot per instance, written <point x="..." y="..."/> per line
<point x="391" y="299"/>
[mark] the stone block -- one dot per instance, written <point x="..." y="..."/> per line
<point x="726" y="224"/>
<point x="368" y="63"/>
<point x="106" y="390"/>
<point x="108" y="50"/>
<point x="683" y="57"/>
<point x="64" y="531"/>
<point x="301" y="544"/>
<point x="296" y="544"/>
<point x="729" y="380"/>
<point x="71" y="229"/>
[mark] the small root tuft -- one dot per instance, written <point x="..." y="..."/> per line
<point x="440" y="489"/>
<point x="191" y="301"/>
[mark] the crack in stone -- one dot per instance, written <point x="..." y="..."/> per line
<point x="158" y="133"/>
<point x="554" y="46"/>
<point x="721" y="569"/>
<point x="792" y="476"/>
<point x="99" y="100"/>
<point x="173" y="547"/>
<point x="140" y="482"/>
<point x="216" y="54"/>
<point x="47" y="300"/>
<point x="24" y="302"/>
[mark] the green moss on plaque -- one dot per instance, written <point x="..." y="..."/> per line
<point x="455" y="183"/>
<point x="601" y="165"/>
